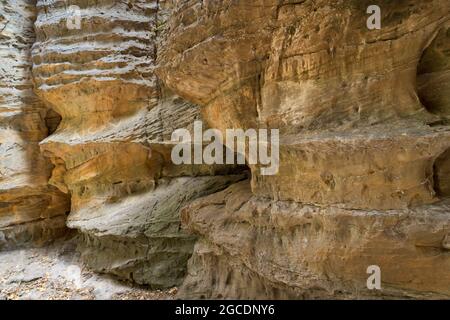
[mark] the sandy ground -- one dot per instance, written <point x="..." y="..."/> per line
<point x="55" y="272"/>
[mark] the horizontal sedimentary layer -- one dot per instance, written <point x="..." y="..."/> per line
<point x="138" y="237"/>
<point x="364" y="149"/>
<point x="112" y="41"/>
<point x="301" y="66"/>
<point x="30" y="204"/>
<point x="38" y="233"/>
<point x="142" y="126"/>
<point x="311" y="251"/>
<point x="376" y="168"/>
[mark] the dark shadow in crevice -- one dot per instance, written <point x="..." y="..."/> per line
<point x="52" y="121"/>
<point x="433" y="75"/>
<point x="441" y="175"/>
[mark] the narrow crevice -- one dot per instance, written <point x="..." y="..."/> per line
<point x="441" y="175"/>
<point x="52" y="121"/>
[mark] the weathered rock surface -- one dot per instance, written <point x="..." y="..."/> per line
<point x="55" y="272"/>
<point x="254" y="248"/>
<point x="364" y="120"/>
<point x="112" y="149"/>
<point x="433" y="74"/>
<point x="139" y="238"/>
<point x="31" y="211"/>
<point x="364" y="146"/>
<point x="313" y="69"/>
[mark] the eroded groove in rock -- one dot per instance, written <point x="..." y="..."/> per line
<point x="112" y="149"/>
<point x="31" y="211"/>
<point x="358" y="147"/>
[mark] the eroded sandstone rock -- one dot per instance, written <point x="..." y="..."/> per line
<point x="364" y="148"/>
<point x="313" y="68"/>
<point x="112" y="148"/>
<point x="433" y="74"/>
<point x="139" y="238"/>
<point x="31" y="211"/>
<point x="364" y="145"/>
<point x="253" y="248"/>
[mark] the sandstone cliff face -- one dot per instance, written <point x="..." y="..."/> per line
<point x="289" y="66"/>
<point x="364" y="146"/>
<point x="111" y="150"/>
<point x="31" y="210"/>
<point x="259" y="248"/>
<point x="364" y="120"/>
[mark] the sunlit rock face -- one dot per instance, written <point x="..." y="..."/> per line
<point x="364" y="147"/>
<point x="31" y="211"/>
<point x="112" y="149"/>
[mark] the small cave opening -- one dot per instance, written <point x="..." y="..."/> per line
<point x="433" y="75"/>
<point x="52" y="121"/>
<point x="441" y="175"/>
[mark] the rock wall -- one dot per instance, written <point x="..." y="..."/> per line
<point x="253" y="248"/>
<point x="364" y="120"/>
<point x="31" y="211"/>
<point x="112" y="148"/>
<point x="364" y="145"/>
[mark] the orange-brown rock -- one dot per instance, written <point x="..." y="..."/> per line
<point x="364" y="139"/>
<point x="31" y="211"/>
<point x="112" y="148"/>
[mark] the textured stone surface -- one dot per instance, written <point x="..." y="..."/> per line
<point x="364" y="142"/>
<point x="253" y="248"/>
<point x="139" y="238"/>
<point x="56" y="273"/>
<point x="112" y="149"/>
<point x="31" y="211"/>
<point x="363" y="119"/>
<point x="313" y="69"/>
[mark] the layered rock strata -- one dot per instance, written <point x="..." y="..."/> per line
<point x="266" y="249"/>
<point x="112" y="149"/>
<point x="31" y="211"/>
<point x="364" y="145"/>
